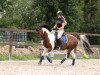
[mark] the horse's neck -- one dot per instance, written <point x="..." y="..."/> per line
<point x="47" y="31"/>
<point x="46" y="40"/>
<point x="48" y="37"/>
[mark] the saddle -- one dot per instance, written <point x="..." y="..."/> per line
<point x="58" y="42"/>
<point x="64" y="39"/>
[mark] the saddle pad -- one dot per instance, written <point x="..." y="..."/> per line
<point x="64" y="39"/>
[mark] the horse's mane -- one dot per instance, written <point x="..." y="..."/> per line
<point x="47" y="27"/>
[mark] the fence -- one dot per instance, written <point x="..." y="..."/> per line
<point x="17" y="37"/>
<point x="12" y="36"/>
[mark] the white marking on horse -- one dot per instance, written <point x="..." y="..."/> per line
<point x="51" y="37"/>
<point x="73" y="54"/>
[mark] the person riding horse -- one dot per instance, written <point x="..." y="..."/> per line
<point x="59" y="26"/>
<point x="48" y="37"/>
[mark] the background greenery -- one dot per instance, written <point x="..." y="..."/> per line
<point x="81" y="15"/>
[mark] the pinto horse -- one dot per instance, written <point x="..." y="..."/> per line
<point x="49" y="44"/>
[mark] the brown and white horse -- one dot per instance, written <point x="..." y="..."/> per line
<point x="49" y="44"/>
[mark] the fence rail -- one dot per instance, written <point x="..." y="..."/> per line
<point x="25" y="30"/>
<point x="89" y="34"/>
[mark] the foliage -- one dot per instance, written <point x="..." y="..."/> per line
<point x="81" y="15"/>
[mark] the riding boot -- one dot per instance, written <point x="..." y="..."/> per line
<point x="56" y="42"/>
<point x="56" y="46"/>
<point x="59" y="42"/>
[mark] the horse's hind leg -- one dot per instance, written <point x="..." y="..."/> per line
<point x="73" y="56"/>
<point x="67" y="56"/>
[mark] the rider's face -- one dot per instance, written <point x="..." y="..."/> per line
<point x="59" y="16"/>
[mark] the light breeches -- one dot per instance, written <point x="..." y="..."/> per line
<point x="60" y="33"/>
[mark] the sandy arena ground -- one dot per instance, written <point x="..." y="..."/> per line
<point x="82" y="67"/>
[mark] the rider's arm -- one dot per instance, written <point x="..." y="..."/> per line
<point x="54" y="26"/>
<point x="64" y="20"/>
<point x="62" y="27"/>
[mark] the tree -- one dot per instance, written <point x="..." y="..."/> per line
<point x="81" y="15"/>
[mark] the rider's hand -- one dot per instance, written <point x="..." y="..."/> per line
<point x="52" y="29"/>
<point x="60" y="28"/>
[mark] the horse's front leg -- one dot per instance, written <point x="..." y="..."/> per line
<point x="45" y="53"/>
<point x="42" y="55"/>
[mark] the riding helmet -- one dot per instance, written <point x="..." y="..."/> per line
<point x="59" y="13"/>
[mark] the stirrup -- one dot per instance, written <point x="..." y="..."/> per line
<point x="56" y="48"/>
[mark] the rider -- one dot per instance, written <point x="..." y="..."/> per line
<point x="59" y="25"/>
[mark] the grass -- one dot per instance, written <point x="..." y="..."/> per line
<point x="25" y="57"/>
<point x="16" y="57"/>
<point x="3" y="57"/>
<point x="34" y="57"/>
<point x="94" y="57"/>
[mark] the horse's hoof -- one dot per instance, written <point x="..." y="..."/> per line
<point x="39" y="63"/>
<point x="62" y="61"/>
<point x="51" y="61"/>
<point x="73" y="64"/>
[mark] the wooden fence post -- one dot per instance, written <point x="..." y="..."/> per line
<point x="10" y="44"/>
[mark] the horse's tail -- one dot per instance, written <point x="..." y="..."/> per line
<point x="86" y="44"/>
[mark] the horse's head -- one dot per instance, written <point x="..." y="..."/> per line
<point x="41" y="30"/>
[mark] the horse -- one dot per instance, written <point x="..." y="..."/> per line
<point x="49" y="43"/>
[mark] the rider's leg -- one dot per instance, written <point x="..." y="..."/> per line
<point x="59" y="42"/>
<point x="56" y="35"/>
<point x="56" y="45"/>
<point x="60" y="33"/>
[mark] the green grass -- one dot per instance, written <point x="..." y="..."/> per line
<point x="16" y="57"/>
<point x="4" y="57"/>
<point x="57" y="57"/>
<point x="24" y="57"/>
<point x="34" y="57"/>
<point x="94" y="57"/>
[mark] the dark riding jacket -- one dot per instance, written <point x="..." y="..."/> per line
<point x="59" y="22"/>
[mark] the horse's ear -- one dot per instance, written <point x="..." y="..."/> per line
<point x="37" y="28"/>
